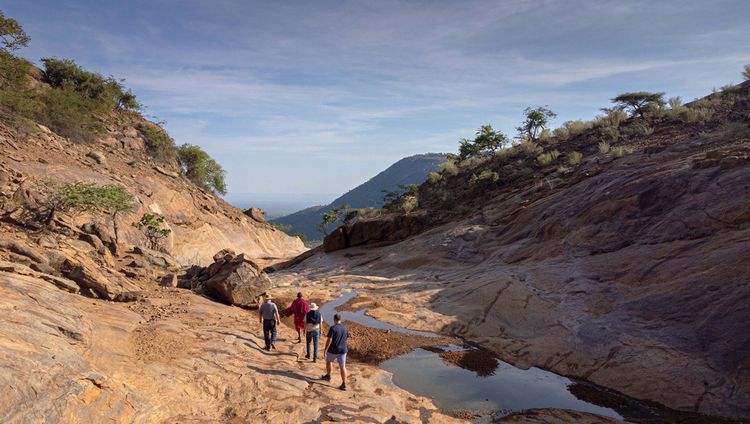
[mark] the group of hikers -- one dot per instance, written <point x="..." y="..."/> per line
<point x="307" y="318"/>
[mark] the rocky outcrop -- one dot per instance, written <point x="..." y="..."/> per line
<point x="233" y="279"/>
<point x="388" y="229"/>
<point x="255" y="214"/>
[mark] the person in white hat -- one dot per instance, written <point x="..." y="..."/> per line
<point x="312" y="330"/>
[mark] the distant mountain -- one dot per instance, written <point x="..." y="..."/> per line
<point x="410" y="170"/>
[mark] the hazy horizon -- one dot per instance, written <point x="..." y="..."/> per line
<point x="300" y="97"/>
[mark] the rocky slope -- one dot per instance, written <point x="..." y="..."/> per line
<point x="630" y="272"/>
<point x="201" y="224"/>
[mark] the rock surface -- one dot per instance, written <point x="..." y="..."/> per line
<point x="233" y="279"/>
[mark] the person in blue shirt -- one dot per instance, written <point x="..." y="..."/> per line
<point x="312" y="330"/>
<point x="336" y="350"/>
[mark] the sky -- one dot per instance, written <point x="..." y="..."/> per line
<point x="308" y="99"/>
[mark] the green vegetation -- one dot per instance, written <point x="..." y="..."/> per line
<point x="12" y="35"/>
<point x="90" y="197"/>
<point x="331" y="217"/>
<point x="65" y="74"/>
<point x="434" y="177"/>
<point x="283" y="227"/>
<point x="638" y="102"/>
<point x="158" y="143"/>
<point x="548" y="158"/>
<point x="486" y="142"/>
<point x="485" y="177"/>
<point x="603" y="147"/>
<point x="201" y="169"/>
<point x="536" y="121"/>
<point x="153" y="229"/>
<point x="392" y="196"/>
<point x="574" y="158"/>
<point x="448" y="167"/>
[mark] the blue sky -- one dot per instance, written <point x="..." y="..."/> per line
<point x="318" y="96"/>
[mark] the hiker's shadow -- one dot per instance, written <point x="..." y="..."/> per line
<point x="283" y="373"/>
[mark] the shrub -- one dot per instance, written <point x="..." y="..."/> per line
<point x="603" y="147"/>
<point x="610" y="133"/>
<point x="639" y="129"/>
<point x="66" y="74"/>
<point x="574" y="158"/>
<point x="612" y="118"/>
<point x="530" y="148"/>
<point x="201" y="169"/>
<point x="486" y="142"/>
<point x="548" y="158"/>
<point x="71" y="115"/>
<point x="448" y="167"/>
<point x="746" y="73"/>
<point x="151" y="225"/>
<point x="90" y="197"/>
<point x="485" y="176"/>
<point x="434" y="177"/>
<point x="409" y="203"/>
<point x="638" y="102"/>
<point x="535" y="123"/>
<point x="692" y="115"/>
<point x="158" y="143"/>
<point x="561" y="134"/>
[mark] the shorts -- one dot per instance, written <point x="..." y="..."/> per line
<point x="333" y="357"/>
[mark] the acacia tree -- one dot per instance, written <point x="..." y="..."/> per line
<point x="12" y="34"/>
<point x="331" y="217"/>
<point x="638" y="102"/>
<point x="536" y="121"/>
<point x="486" y="141"/>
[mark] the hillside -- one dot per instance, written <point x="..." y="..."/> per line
<point x="621" y="259"/>
<point x="410" y="170"/>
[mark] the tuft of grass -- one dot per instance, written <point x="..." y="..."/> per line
<point x="409" y="203"/>
<point x="448" y="167"/>
<point x="547" y="158"/>
<point x="574" y="158"/>
<point x="603" y="147"/>
<point x="529" y="148"/>
<point x="620" y="151"/>
<point x="434" y="177"/>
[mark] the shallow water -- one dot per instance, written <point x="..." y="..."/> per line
<point x="329" y="309"/>
<point x="510" y="389"/>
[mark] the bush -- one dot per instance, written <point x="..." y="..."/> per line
<point x="409" y="203"/>
<point x="610" y="133"/>
<point x="746" y="73"/>
<point x="574" y="158"/>
<point x="448" y="167"/>
<point x="530" y="148"/>
<point x="66" y="74"/>
<point x="90" y="197"/>
<point x="638" y="129"/>
<point x="434" y="177"/>
<point x="692" y="115"/>
<point x="486" y="142"/>
<point x="70" y="115"/>
<point x="547" y="158"/>
<point x="485" y="177"/>
<point x="151" y="225"/>
<point x="158" y="143"/>
<point x="603" y="147"/>
<point x="201" y="169"/>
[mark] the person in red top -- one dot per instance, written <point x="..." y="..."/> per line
<point x="299" y="309"/>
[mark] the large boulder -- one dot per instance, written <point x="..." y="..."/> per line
<point x="237" y="281"/>
<point x="388" y="229"/>
<point x="256" y="214"/>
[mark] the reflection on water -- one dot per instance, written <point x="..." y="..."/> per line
<point x="509" y="389"/>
